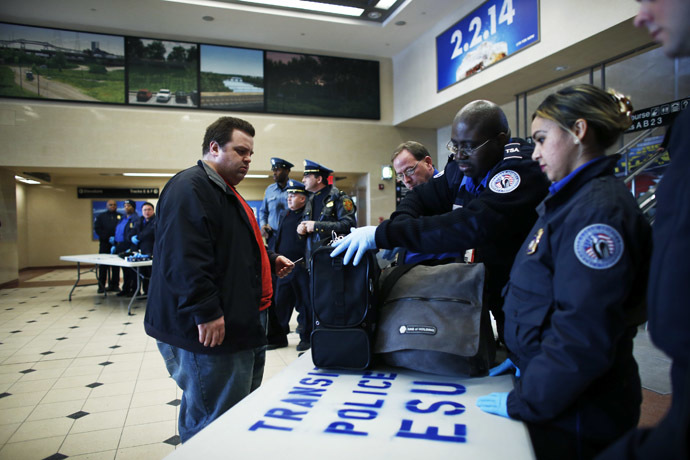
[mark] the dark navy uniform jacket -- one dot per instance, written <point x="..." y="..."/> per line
<point x="443" y="216"/>
<point x="104" y="225"/>
<point x="669" y="304"/>
<point x="575" y="296"/>
<point x="146" y="234"/>
<point x="336" y="213"/>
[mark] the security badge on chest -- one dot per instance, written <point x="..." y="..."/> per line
<point x="534" y="244"/>
<point x="598" y="246"/>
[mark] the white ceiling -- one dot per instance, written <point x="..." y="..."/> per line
<point x="238" y="25"/>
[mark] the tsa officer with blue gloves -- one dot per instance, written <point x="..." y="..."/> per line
<point x="328" y="210"/>
<point x="124" y="232"/>
<point x="577" y="287"/>
<point x="483" y="202"/>
<point x="275" y="201"/>
<point x="145" y="238"/>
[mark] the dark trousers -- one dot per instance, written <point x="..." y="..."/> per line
<point x="106" y="273"/>
<point x="290" y="292"/>
<point x="551" y="443"/>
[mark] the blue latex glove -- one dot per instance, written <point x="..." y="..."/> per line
<point x="495" y="403"/>
<point x="135" y="239"/>
<point x="111" y="240"/>
<point x="359" y="241"/>
<point x="112" y="250"/>
<point x="503" y="368"/>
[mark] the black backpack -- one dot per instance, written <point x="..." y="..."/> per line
<point x="344" y="307"/>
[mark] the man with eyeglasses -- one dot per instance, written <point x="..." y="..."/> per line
<point x="412" y="164"/>
<point x="483" y="202"/>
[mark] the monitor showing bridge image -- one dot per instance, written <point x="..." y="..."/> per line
<point x="232" y="78"/>
<point x="36" y="62"/>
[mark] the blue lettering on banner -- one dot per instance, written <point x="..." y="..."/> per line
<point x="285" y="414"/>
<point x="358" y="414"/>
<point x="300" y="402"/>
<point x="319" y="382"/>
<point x="366" y="384"/>
<point x="413" y="406"/>
<point x="262" y="424"/>
<point x="344" y="428"/>
<point x="454" y="388"/>
<point x="301" y="391"/>
<point x="431" y="433"/>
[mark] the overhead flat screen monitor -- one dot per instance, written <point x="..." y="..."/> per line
<point x="492" y="32"/>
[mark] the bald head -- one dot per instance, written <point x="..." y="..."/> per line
<point x="485" y="116"/>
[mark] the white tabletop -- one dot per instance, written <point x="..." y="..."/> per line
<point x="105" y="259"/>
<point x="376" y="414"/>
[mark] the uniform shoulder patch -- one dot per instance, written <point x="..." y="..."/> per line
<point x="348" y="204"/>
<point x="598" y="246"/>
<point x="505" y="181"/>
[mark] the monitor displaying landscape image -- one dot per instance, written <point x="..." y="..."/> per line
<point x="301" y="84"/>
<point x="36" y="62"/>
<point x="162" y="73"/>
<point x="232" y="78"/>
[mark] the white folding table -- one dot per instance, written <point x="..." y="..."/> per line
<point x="308" y="413"/>
<point x="106" y="259"/>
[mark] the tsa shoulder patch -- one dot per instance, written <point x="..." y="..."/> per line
<point x="348" y="205"/>
<point x="505" y="181"/>
<point x="598" y="246"/>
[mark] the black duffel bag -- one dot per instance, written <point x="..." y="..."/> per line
<point x="432" y="319"/>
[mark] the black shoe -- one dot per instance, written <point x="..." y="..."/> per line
<point x="122" y="294"/>
<point x="273" y="346"/>
<point x="101" y="290"/>
<point x="303" y="345"/>
<point x="113" y="289"/>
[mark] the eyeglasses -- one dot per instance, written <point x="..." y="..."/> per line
<point x="465" y="151"/>
<point x="407" y="172"/>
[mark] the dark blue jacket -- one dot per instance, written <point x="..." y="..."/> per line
<point x="668" y="305"/>
<point x="338" y="214"/>
<point x="146" y="232"/>
<point x="575" y="296"/>
<point x="104" y="225"/>
<point x="207" y="265"/>
<point x="441" y="216"/>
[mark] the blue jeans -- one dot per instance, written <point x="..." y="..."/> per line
<point x="212" y="384"/>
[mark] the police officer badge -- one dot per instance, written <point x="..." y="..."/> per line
<point x="598" y="246"/>
<point x="505" y="181"/>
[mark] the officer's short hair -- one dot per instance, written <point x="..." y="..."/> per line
<point x="221" y="131"/>
<point x="148" y="203"/>
<point x="418" y="151"/>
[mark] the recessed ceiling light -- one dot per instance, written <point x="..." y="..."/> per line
<point x="561" y="68"/>
<point x="148" y="174"/>
<point x="208" y="18"/>
<point x="385" y="4"/>
<point x="400" y="23"/>
<point x="256" y="176"/>
<point x="310" y="6"/>
<point x="26" y="181"/>
<point x="373" y="15"/>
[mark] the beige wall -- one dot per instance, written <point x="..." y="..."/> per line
<point x="8" y="228"/>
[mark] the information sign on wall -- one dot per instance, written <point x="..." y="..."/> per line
<point x="493" y="31"/>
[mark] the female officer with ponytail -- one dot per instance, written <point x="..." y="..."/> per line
<point x="577" y="287"/>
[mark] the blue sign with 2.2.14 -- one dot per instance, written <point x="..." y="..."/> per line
<point x="496" y="29"/>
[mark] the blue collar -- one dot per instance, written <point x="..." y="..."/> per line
<point x="556" y="186"/>
<point x="473" y="188"/>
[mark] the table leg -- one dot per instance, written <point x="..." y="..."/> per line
<point x="136" y="292"/>
<point x="76" y="282"/>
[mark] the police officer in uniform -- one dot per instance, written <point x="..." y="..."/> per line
<point x="104" y="225"/>
<point x="484" y="202"/>
<point x="328" y="209"/>
<point x="145" y="238"/>
<point x="275" y="201"/>
<point x="293" y="290"/>
<point x="124" y="232"/>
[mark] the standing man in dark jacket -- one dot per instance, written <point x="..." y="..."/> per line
<point x="667" y="298"/>
<point x="484" y="202"/>
<point x="145" y="238"/>
<point x="104" y="225"/>
<point x="211" y="281"/>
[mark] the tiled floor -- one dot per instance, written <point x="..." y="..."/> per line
<point x="81" y="379"/>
